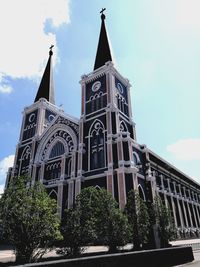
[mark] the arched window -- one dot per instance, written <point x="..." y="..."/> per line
<point x="25" y="160"/>
<point x="53" y="194"/>
<point x="97" y="145"/>
<point x="97" y="187"/>
<point x="141" y="192"/>
<point x="136" y="159"/>
<point x="57" y="150"/>
<point x="123" y="127"/>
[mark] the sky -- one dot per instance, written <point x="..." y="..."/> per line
<point x="156" y="45"/>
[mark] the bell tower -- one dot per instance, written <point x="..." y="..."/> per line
<point x="35" y="119"/>
<point x="107" y="131"/>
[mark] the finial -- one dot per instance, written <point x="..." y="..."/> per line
<point x="50" y="50"/>
<point x="102" y="14"/>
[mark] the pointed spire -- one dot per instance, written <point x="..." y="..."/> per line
<point x="46" y="88"/>
<point x="103" y="50"/>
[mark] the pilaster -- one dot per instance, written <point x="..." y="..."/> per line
<point x="121" y="189"/>
<point x="70" y="193"/>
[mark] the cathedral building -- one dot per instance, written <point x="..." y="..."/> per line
<point x="100" y="148"/>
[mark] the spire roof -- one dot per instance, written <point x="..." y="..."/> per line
<point x="103" y="50"/>
<point x="46" y="88"/>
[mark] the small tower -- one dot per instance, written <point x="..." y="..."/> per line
<point x="48" y="144"/>
<point x="35" y="119"/>
<point x="107" y="132"/>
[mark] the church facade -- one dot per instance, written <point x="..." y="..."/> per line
<point x="100" y="148"/>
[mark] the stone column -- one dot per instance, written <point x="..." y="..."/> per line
<point x="41" y="178"/>
<point x="173" y="205"/>
<point x="120" y="150"/>
<point x="77" y="186"/>
<point x="195" y="217"/>
<point x="185" y="214"/>
<point x="59" y="199"/>
<point x="188" y="206"/>
<point x="121" y="188"/>
<point x="110" y="185"/>
<point x="197" y="212"/>
<point x="80" y="148"/>
<point x="70" y="193"/>
<point x="151" y="178"/>
<point x="62" y="177"/>
<point x="73" y="166"/>
<point x="34" y="173"/>
<point x="178" y="204"/>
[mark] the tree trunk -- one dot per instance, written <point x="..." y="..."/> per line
<point x="23" y="256"/>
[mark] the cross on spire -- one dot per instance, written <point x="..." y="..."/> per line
<point x="103" y="9"/>
<point x="102" y="14"/>
<point x="103" y="54"/>
<point x="50" y="50"/>
<point x="46" y="88"/>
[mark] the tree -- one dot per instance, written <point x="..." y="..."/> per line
<point x="163" y="220"/>
<point x="112" y="225"/>
<point x="94" y="219"/>
<point x="29" y="219"/>
<point x="138" y="218"/>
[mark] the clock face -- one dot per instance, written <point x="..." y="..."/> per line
<point x="96" y="86"/>
<point x="120" y="87"/>
<point x="31" y="117"/>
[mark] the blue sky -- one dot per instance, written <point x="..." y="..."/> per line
<point x="155" y="44"/>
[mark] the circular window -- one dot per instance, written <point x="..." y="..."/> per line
<point x="96" y="86"/>
<point x="31" y="117"/>
<point x="51" y="117"/>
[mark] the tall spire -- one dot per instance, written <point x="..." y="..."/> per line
<point x="103" y="50"/>
<point x="46" y="88"/>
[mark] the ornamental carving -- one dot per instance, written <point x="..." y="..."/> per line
<point x="67" y="122"/>
<point x="61" y="135"/>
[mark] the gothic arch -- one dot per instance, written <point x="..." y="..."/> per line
<point x="52" y="146"/>
<point x="53" y="194"/>
<point x="136" y="158"/>
<point x="96" y="146"/>
<point x="26" y="154"/>
<point x="123" y="127"/>
<point x="58" y="132"/>
<point x="96" y="125"/>
<point x="97" y="187"/>
<point x="24" y="161"/>
<point x="141" y="192"/>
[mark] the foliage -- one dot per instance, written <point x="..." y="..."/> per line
<point x="95" y="218"/>
<point x="112" y="225"/>
<point x="138" y="217"/>
<point x="163" y="220"/>
<point x="29" y="219"/>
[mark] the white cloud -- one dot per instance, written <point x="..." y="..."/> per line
<point x="5" y="89"/>
<point x="185" y="149"/>
<point x="24" y="42"/>
<point x="4" y="165"/>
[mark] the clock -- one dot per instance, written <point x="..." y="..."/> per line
<point x="120" y="87"/>
<point x="96" y="86"/>
<point x="31" y="117"/>
<point x="51" y="117"/>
